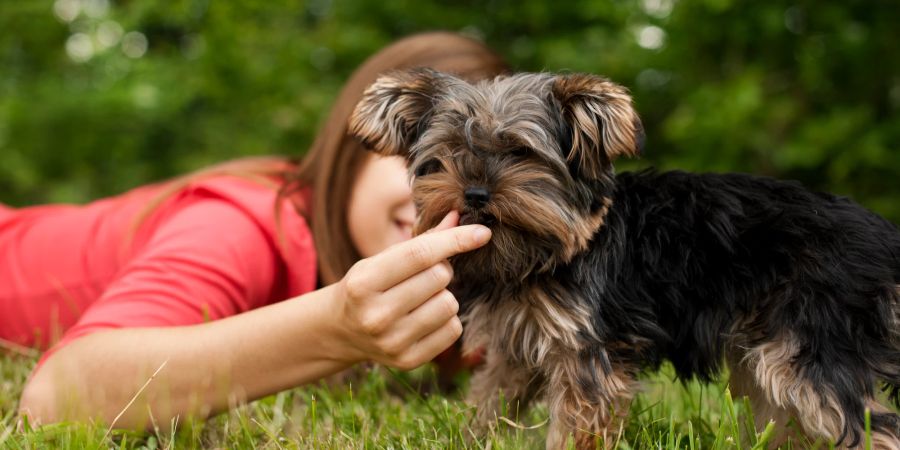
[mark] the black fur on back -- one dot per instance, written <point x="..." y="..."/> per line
<point x="683" y="258"/>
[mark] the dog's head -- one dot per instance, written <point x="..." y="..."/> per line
<point x="529" y="155"/>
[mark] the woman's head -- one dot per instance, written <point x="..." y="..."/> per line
<point x="361" y="202"/>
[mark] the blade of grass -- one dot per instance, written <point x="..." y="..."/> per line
<point x="112" y="425"/>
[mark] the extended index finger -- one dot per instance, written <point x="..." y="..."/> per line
<point x="449" y="221"/>
<point x="421" y="252"/>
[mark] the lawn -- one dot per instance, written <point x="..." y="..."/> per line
<point x="392" y="410"/>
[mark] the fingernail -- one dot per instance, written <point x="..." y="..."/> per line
<point x="480" y="235"/>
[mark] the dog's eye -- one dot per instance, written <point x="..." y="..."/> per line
<point x="428" y="167"/>
<point x="520" y="152"/>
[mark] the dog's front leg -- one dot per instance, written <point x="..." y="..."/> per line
<point x="499" y="380"/>
<point x="586" y="403"/>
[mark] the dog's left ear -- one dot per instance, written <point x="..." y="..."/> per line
<point x="393" y="111"/>
<point x="603" y="123"/>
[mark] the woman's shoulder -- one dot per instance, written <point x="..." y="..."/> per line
<point x="207" y="205"/>
<point x="258" y="198"/>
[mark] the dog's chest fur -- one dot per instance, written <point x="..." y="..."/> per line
<point x="527" y="325"/>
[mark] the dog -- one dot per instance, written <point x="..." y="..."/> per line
<point x="593" y="277"/>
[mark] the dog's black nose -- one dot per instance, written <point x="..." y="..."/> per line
<point x="477" y="197"/>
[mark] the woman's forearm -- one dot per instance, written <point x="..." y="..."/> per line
<point x="200" y="370"/>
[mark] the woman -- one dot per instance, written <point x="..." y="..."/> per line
<point x="182" y="283"/>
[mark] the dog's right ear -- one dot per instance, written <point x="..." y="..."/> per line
<point x="603" y="122"/>
<point x="394" y="110"/>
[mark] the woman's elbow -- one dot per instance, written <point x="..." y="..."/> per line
<point x="39" y="400"/>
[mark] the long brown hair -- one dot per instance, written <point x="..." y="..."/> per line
<point x="334" y="159"/>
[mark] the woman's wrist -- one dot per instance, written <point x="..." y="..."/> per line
<point x="336" y="341"/>
<point x="286" y="344"/>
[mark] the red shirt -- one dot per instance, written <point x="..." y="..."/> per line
<point x="210" y="251"/>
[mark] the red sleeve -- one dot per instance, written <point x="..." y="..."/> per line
<point x="209" y="260"/>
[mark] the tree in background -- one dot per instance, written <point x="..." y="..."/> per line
<point x="98" y="96"/>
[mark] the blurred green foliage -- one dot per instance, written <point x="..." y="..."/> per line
<point x="98" y="96"/>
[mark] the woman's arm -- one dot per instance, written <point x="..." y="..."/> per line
<point x="207" y="366"/>
<point x="392" y="308"/>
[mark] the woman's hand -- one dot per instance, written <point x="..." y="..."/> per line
<point x="394" y="308"/>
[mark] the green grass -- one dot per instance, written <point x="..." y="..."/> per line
<point x="383" y="409"/>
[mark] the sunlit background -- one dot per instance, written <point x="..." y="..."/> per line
<point x="99" y="96"/>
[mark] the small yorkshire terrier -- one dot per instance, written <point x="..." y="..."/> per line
<point x="592" y="277"/>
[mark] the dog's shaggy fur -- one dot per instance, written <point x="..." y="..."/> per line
<point x="592" y="277"/>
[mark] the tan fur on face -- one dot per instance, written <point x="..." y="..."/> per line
<point x="586" y="229"/>
<point x="520" y="201"/>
